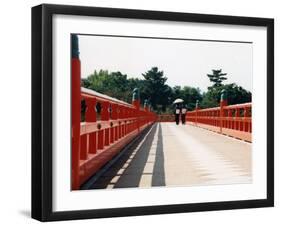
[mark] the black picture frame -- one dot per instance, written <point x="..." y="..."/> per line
<point x="42" y="107"/>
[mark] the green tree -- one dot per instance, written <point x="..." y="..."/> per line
<point x="97" y="81"/>
<point x="161" y="96"/>
<point x="188" y="94"/>
<point x="113" y="84"/>
<point x="235" y="95"/>
<point x="176" y="92"/>
<point x="155" y="89"/>
<point x="217" y="78"/>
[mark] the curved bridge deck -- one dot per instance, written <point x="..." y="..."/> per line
<point x="183" y="155"/>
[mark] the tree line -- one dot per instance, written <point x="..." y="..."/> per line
<point x="153" y="87"/>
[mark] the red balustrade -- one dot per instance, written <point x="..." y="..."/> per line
<point x="99" y="140"/>
<point x="232" y="120"/>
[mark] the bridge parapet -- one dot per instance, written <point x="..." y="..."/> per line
<point x="103" y="137"/>
<point x="233" y="120"/>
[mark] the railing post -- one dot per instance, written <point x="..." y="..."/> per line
<point x="120" y="116"/>
<point x="236" y="122"/>
<point x="114" y="113"/>
<point x="100" y="137"/>
<point x="223" y="102"/>
<point x="76" y="110"/>
<point x="104" y="111"/>
<point x="114" y="116"/>
<point x="145" y="105"/>
<point x="230" y="118"/>
<point x="196" y="111"/>
<point x="246" y="115"/>
<point x="84" y="145"/>
<point x="136" y="103"/>
<point x="105" y="117"/>
<point x="91" y="117"/>
<point x="116" y="129"/>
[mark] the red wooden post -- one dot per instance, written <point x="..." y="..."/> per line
<point x="116" y="129"/>
<point x="125" y="122"/>
<point x="246" y="115"/>
<point x="145" y="105"/>
<point x="120" y="135"/>
<point x="196" y="111"/>
<point x="111" y="132"/>
<point x="105" y="117"/>
<point x="114" y="113"/>
<point x="237" y="111"/>
<point x="121" y="116"/>
<point x="105" y="111"/>
<point x="106" y="136"/>
<point x="75" y="109"/>
<point x="120" y="111"/>
<point x="116" y="136"/>
<point x="223" y="103"/>
<point x="91" y="117"/>
<point x="100" y="137"/>
<point x="84" y="146"/>
<point x="250" y="123"/>
<point x="136" y="103"/>
<point x="93" y="143"/>
<point x="230" y="118"/>
<point x="113" y="117"/>
<point x="240" y="120"/>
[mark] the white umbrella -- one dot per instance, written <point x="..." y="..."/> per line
<point x="176" y="101"/>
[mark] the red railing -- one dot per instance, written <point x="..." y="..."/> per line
<point x="232" y="120"/>
<point x="103" y="134"/>
<point x="100" y="140"/>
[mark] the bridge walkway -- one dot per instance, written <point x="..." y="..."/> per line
<point x="180" y="155"/>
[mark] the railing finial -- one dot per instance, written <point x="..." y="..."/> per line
<point x="223" y="95"/>
<point x="197" y="104"/>
<point x="145" y="104"/>
<point x="136" y="94"/>
<point x="74" y="46"/>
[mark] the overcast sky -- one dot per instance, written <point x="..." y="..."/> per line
<point x="184" y="62"/>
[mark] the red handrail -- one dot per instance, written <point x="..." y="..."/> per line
<point x="233" y="120"/>
<point x="102" y="138"/>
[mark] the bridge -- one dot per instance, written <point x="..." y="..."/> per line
<point x="119" y="145"/>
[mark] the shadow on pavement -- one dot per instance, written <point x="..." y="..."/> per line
<point x="158" y="177"/>
<point x="128" y="171"/>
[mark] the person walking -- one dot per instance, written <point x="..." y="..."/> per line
<point x="177" y="113"/>
<point x="183" y="114"/>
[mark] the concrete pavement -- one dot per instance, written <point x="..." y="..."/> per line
<point x="183" y="155"/>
